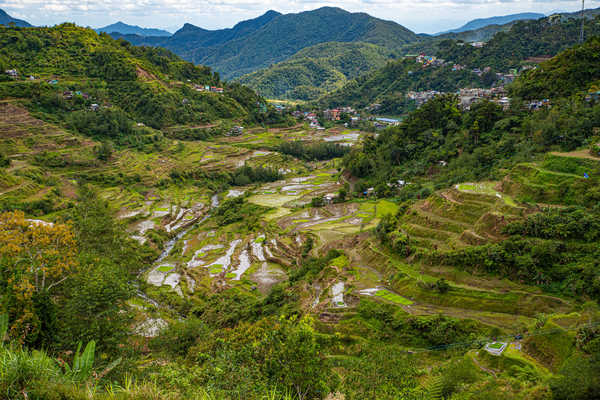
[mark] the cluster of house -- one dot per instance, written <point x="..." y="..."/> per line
<point x="236" y="131"/>
<point x="421" y="98"/>
<point x="428" y="61"/>
<point x="336" y="113"/>
<point x="496" y="94"/>
<point x="69" y="94"/>
<point x="312" y="120"/>
<point x="467" y="96"/>
<point x="535" y="105"/>
<point x="206" y="88"/>
<point x="12" y="73"/>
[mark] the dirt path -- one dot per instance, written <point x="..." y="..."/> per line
<point x="484" y="369"/>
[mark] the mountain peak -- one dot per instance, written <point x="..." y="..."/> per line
<point x="126" y="29"/>
<point x="6" y="19"/>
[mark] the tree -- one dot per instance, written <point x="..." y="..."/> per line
<point x="293" y="358"/>
<point x="92" y="308"/>
<point x="35" y="259"/>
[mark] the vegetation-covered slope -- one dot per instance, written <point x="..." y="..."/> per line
<point x="317" y="70"/>
<point x="388" y="85"/>
<point x="576" y="69"/>
<point x="543" y="37"/>
<point x="272" y="38"/>
<point x="150" y="85"/>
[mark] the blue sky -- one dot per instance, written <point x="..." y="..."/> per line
<point x="427" y="16"/>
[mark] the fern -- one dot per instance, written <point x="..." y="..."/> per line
<point x="434" y="388"/>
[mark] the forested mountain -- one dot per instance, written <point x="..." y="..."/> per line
<point x="148" y="85"/>
<point x="505" y="50"/>
<point x="6" y="19"/>
<point x="483" y="22"/>
<point x="575" y="70"/>
<point x="317" y="70"/>
<point x="567" y="125"/>
<point x="544" y="37"/>
<point x="126" y="29"/>
<point x="272" y="38"/>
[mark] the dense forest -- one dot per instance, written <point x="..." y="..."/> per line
<point x="317" y="70"/>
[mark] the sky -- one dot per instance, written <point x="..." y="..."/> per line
<point x="427" y="16"/>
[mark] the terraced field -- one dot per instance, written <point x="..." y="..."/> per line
<point x="201" y="257"/>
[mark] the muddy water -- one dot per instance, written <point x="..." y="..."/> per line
<point x="225" y="260"/>
<point x="243" y="266"/>
<point x="337" y="292"/>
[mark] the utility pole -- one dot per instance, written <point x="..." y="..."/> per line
<point x="581" y="37"/>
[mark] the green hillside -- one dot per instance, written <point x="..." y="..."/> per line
<point x="388" y="85"/>
<point x="317" y="70"/>
<point x="146" y="85"/>
<point x="576" y="69"/>
<point x="272" y="38"/>
<point x="509" y="49"/>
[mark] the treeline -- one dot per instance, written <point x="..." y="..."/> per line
<point x="312" y="151"/>
<point x="247" y="174"/>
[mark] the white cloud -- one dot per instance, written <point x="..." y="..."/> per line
<point x="421" y="16"/>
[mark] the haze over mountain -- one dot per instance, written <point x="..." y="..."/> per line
<point x="501" y="20"/>
<point x="125" y="29"/>
<point x="274" y="37"/>
<point x="6" y="19"/>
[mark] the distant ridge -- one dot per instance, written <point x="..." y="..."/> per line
<point x="6" y="19"/>
<point x="274" y="37"/>
<point x="125" y="29"/>
<point x="501" y="20"/>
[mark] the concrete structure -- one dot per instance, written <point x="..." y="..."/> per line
<point x="495" y="348"/>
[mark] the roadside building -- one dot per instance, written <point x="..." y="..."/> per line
<point x="332" y="115"/>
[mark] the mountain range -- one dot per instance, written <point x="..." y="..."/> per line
<point x="6" y="19"/>
<point x="498" y="20"/>
<point x="274" y="37"/>
<point x="126" y="29"/>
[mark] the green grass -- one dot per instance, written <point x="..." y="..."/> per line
<point x="230" y="275"/>
<point x="260" y="239"/>
<point x="495" y="345"/>
<point x="393" y="297"/>
<point x="216" y="269"/>
<point x="165" y="268"/>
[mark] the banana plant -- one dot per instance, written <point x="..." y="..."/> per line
<point x="82" y="363"/>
